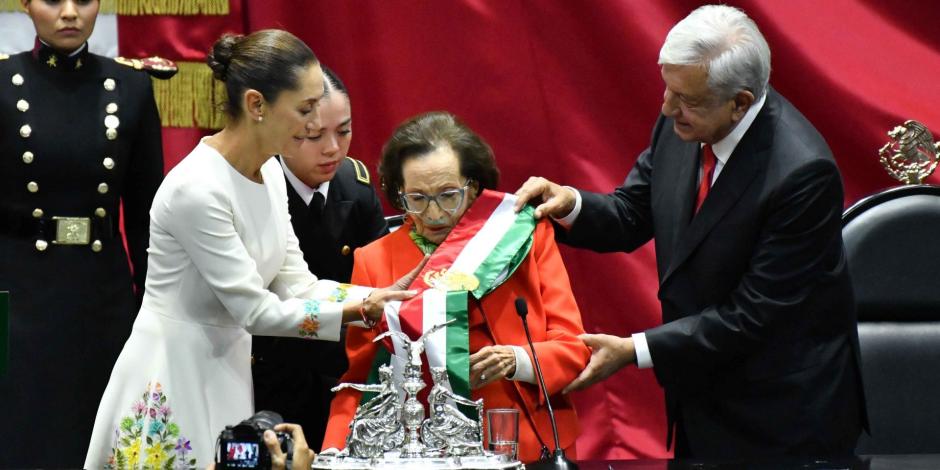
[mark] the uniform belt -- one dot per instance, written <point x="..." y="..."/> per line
<point x="60" y="230"/>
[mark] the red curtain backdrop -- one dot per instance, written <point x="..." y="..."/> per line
<point x="569" y="91"/>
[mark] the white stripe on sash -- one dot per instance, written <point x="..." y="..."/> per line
<point x="482" y="244"/>
<point x="400" y="358"/>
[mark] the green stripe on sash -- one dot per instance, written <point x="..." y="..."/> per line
<point x="458" y="347"/>
<point x="508" y="254"/>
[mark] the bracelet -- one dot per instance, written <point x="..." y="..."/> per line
<point x="362" y="313"/>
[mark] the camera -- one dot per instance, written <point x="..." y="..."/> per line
<point x="242" y="445"/>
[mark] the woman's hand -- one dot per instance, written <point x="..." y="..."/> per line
<point x="302" y="457"/>
<point x="373" y="306"/>
<point x="490" y="364"/>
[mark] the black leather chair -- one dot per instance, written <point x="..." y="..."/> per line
<point x="395" y="221"/>
<point x="892" y="241"/>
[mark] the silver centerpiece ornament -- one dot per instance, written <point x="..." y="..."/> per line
<point x="391" y="432"/>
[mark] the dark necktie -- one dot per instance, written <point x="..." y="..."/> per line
<point x="708" y="170"/>
<point x="316" y="207"/>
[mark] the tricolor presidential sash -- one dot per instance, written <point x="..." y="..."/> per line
<point x="485" y="247"/>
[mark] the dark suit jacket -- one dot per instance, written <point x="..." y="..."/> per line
<point x="352" y="218"/>
<point x="758" y="351"/>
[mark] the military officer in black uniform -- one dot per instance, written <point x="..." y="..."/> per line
<point x="334" y="210"/>
<point x="79" y="137"/>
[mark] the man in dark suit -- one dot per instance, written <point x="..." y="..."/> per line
<point x="758" y="351"/>
<point x="334" y="210"/>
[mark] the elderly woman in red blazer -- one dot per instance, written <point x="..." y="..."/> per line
<point x="436" y="169"/>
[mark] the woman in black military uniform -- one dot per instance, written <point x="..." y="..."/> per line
<point x="334" y="209"/>
<point x="79" y="137"/>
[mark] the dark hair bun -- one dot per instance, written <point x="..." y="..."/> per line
<point x="267" y="61"/>
<point x="220" y="57"/>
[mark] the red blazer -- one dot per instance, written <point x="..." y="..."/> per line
<point x="554" y="321"/>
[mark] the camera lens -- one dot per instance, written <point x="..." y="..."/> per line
<point x="266" y="419"/>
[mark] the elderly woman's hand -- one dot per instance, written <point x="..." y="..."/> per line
<point x="491" y="363"/>
<point x="374" y="305"/>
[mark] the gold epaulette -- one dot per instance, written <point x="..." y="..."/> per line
<point x="362" y="173"/>
<point x="4" y="56"/>
<point x="157" y="67"/>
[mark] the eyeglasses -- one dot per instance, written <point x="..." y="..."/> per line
<point x="449" y="200"/>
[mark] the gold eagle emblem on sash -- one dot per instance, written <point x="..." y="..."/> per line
<point x="451" y="281"/>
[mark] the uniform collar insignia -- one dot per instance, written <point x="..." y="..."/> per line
<point x="56" y="60"/>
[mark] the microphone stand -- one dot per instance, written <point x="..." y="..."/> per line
<point x="558" y="460"/>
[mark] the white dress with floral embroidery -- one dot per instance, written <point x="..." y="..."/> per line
<point x="224" y="264"/>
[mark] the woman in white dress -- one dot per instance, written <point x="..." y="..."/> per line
<point x="224" y="264"/>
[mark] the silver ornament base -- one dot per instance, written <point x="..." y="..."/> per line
<point x="392" y="461"/>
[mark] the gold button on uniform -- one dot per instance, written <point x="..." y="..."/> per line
<point x="111" y="121"/>
<point x="32" y="186"/>
<point x="109" y="84"/>
<point x="96" y="246"/>
<point x="37" y="212"/>
<point x="346" y="250"/>
<point x="41" y="245"/>
<point x="108" y="163"/>
<point x="27" y="157"/>
<point x="111" y="108"/>
<point x="25" y="131"/>
<point x="17" y="80"/>
<point x="103" y="188"/>
<point x="100" y="212"/>
<point x="22" y="105"/>
<point x="111" y="133"/>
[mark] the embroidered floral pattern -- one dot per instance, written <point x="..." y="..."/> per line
<point x="340" y="293"/>
<point x="310" y="324"/>
<point x="149" y="439"/>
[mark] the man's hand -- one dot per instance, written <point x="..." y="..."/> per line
<point x="608" y="355"/>
<point x="302" y="457"/>
<point x="555" y="201"/>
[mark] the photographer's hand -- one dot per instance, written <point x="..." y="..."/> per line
<point x="302" y="457"/>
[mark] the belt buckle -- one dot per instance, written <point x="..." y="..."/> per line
<point x="72" y="230"/>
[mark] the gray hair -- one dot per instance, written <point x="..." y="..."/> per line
<point x="727" y="43"/>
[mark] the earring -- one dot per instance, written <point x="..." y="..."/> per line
<point x="260" y="118"/>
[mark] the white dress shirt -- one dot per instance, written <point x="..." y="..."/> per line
<point x="305" y="192"/>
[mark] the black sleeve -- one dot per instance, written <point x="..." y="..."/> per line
<point x="621" y="220"/>
<point x="145" y="173"/>
<point x="374" y="225"/>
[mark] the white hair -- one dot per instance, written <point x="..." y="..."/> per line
<point x="727" y="43"/>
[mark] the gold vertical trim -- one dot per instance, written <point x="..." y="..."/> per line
<point x="10" y="5"/>
<point x="192" y="98"/>
<point x="172" y="7"/>
<point x="147" y="7"/>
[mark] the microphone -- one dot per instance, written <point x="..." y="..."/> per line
<point x="557" y="460"/>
